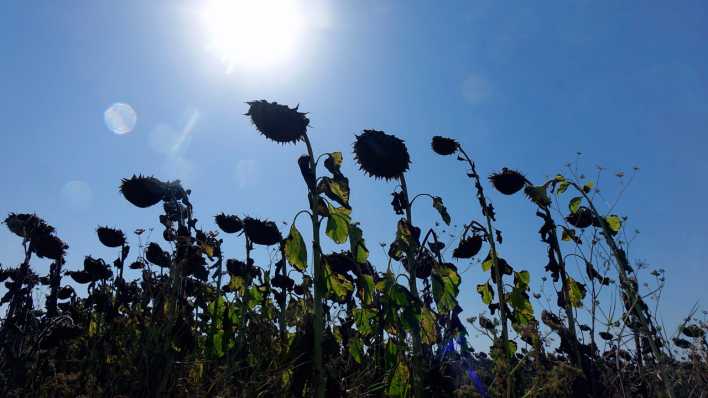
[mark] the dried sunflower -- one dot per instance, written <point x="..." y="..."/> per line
<point x="228" y="223"/>
<point x="111" y="237"/>
<point x="444" y="146"/>
<point x="142" y="191"/>
<point x="80" y="277"/>
<point x="582" y="218"/>
<point x="468" y="247"/>
<point x="157" y="256"/>
<point x="278" y="122"/>
<point x="508" y="181"/>
<point x="262" y="232"/>
<point x="24" y="225"/>
<point x="49" y="246"/>
<point x="236" y="267"/>
<point x="381" y="155"/>
<point x="97" y="269"/>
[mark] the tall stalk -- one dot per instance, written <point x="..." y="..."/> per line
<point x="489" y="234"/>
<point x="318" y="321"/>
<point x="411" y="251"/>
<point x="629" y="289"/>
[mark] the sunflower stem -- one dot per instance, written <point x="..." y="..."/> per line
<point x="628" y="287"/>
<point x="495" y="268"/>
<point x="411" y="251"/>
<point x="318" y="321"/>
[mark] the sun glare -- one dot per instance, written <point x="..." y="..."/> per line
<point x="253" y="34"/>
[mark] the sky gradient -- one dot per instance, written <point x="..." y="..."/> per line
<point x="520" y="85"/>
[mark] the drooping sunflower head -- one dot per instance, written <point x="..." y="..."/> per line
<point x="468" y="247"/>
<point x="381" y="155"/>
<point x="229" y="223"/>
<point x="142" y="191"/>
<point x="582" y="218"/>
<point x="277" y="122"/>
<point x="25" y="225"/>
<point x="110" y="237"/>
<point x="262" y="232"/>
<point x="49" y="246"/>
<point x="444" y="146"/>
<point x="508" y="181"/>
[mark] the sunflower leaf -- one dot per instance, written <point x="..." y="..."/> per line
<point x="338" y="223"/>
<point x="574" y="204"/>
<point x="440" y="207"/>
<point x="295" y="249"/>
<point x="358" y="246"/>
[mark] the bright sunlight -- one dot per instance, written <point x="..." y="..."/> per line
<point x="253" y="34"/>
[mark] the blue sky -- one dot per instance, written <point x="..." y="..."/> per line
<point x="518" y="84"/>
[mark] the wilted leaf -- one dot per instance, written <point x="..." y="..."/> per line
<point x="358" y="246"/>
<point x="574" y="204"/>
<point x="614" y="222"/>
<point x="576" y="292"/>
<point x="399" y="385"/>
<point x="445" y="287"/>
<point x="337" y="189"/>
<point x="295" y="249"/>
<point x="356" y="349"/>
<point x="486" y="291"/>
<point x="427" y="323"/>
<point x="440" y="207"/>
<point x="337" y="284"/>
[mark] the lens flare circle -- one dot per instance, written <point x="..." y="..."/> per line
<point x="120" y="118"/>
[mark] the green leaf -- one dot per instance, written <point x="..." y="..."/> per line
<point x="427" y="322"/>
<point x="562" y="187"/>
<point x="574" y="204"/>
<point x="399" y="385"/>
<point x="576" y="292"/>
<point x="522" y="279"/>
<point x="337" y="284"/>
<point x="237" y="284"/>
<point x="216" y="311"/>
<point x="337" y="189"/>
<point x="295" y="249"/>
<point x="614" y="222"/>
<point x="366" y="289"/>
<point x="487" y="263"/>
<point x="356" y="349"/>
<point x="358" y="246"/>
<point x="510" y="348"/>
<point x="486" y="291"/>
<point x="445" y="287"/>
<point x="364" y="319"/>
<point x="440" y="207"/>
<point x="338" y="223"/>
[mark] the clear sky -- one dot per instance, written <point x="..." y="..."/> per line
<point x="520" y="84"/>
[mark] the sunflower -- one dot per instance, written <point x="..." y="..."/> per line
<point x="262" y="232"/>
<point x="468" y="247"/>
<point x="49" y="246"/>
<point x="110" y="237"/>
<point x="381" y="155"/>
<point x="24" y="225"/>
<point x="582" y="218"/>
<point x="142" y="191"/>
<point x="278" y="122"/>
<point x="444" y="146"/>
<point x="228" y="223"/>
<point x="508" y="181"/>
<point x="157" y="256"/>
<point x="80" y="277"/>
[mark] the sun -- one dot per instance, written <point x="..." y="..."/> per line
<point x="253" y="34"/>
